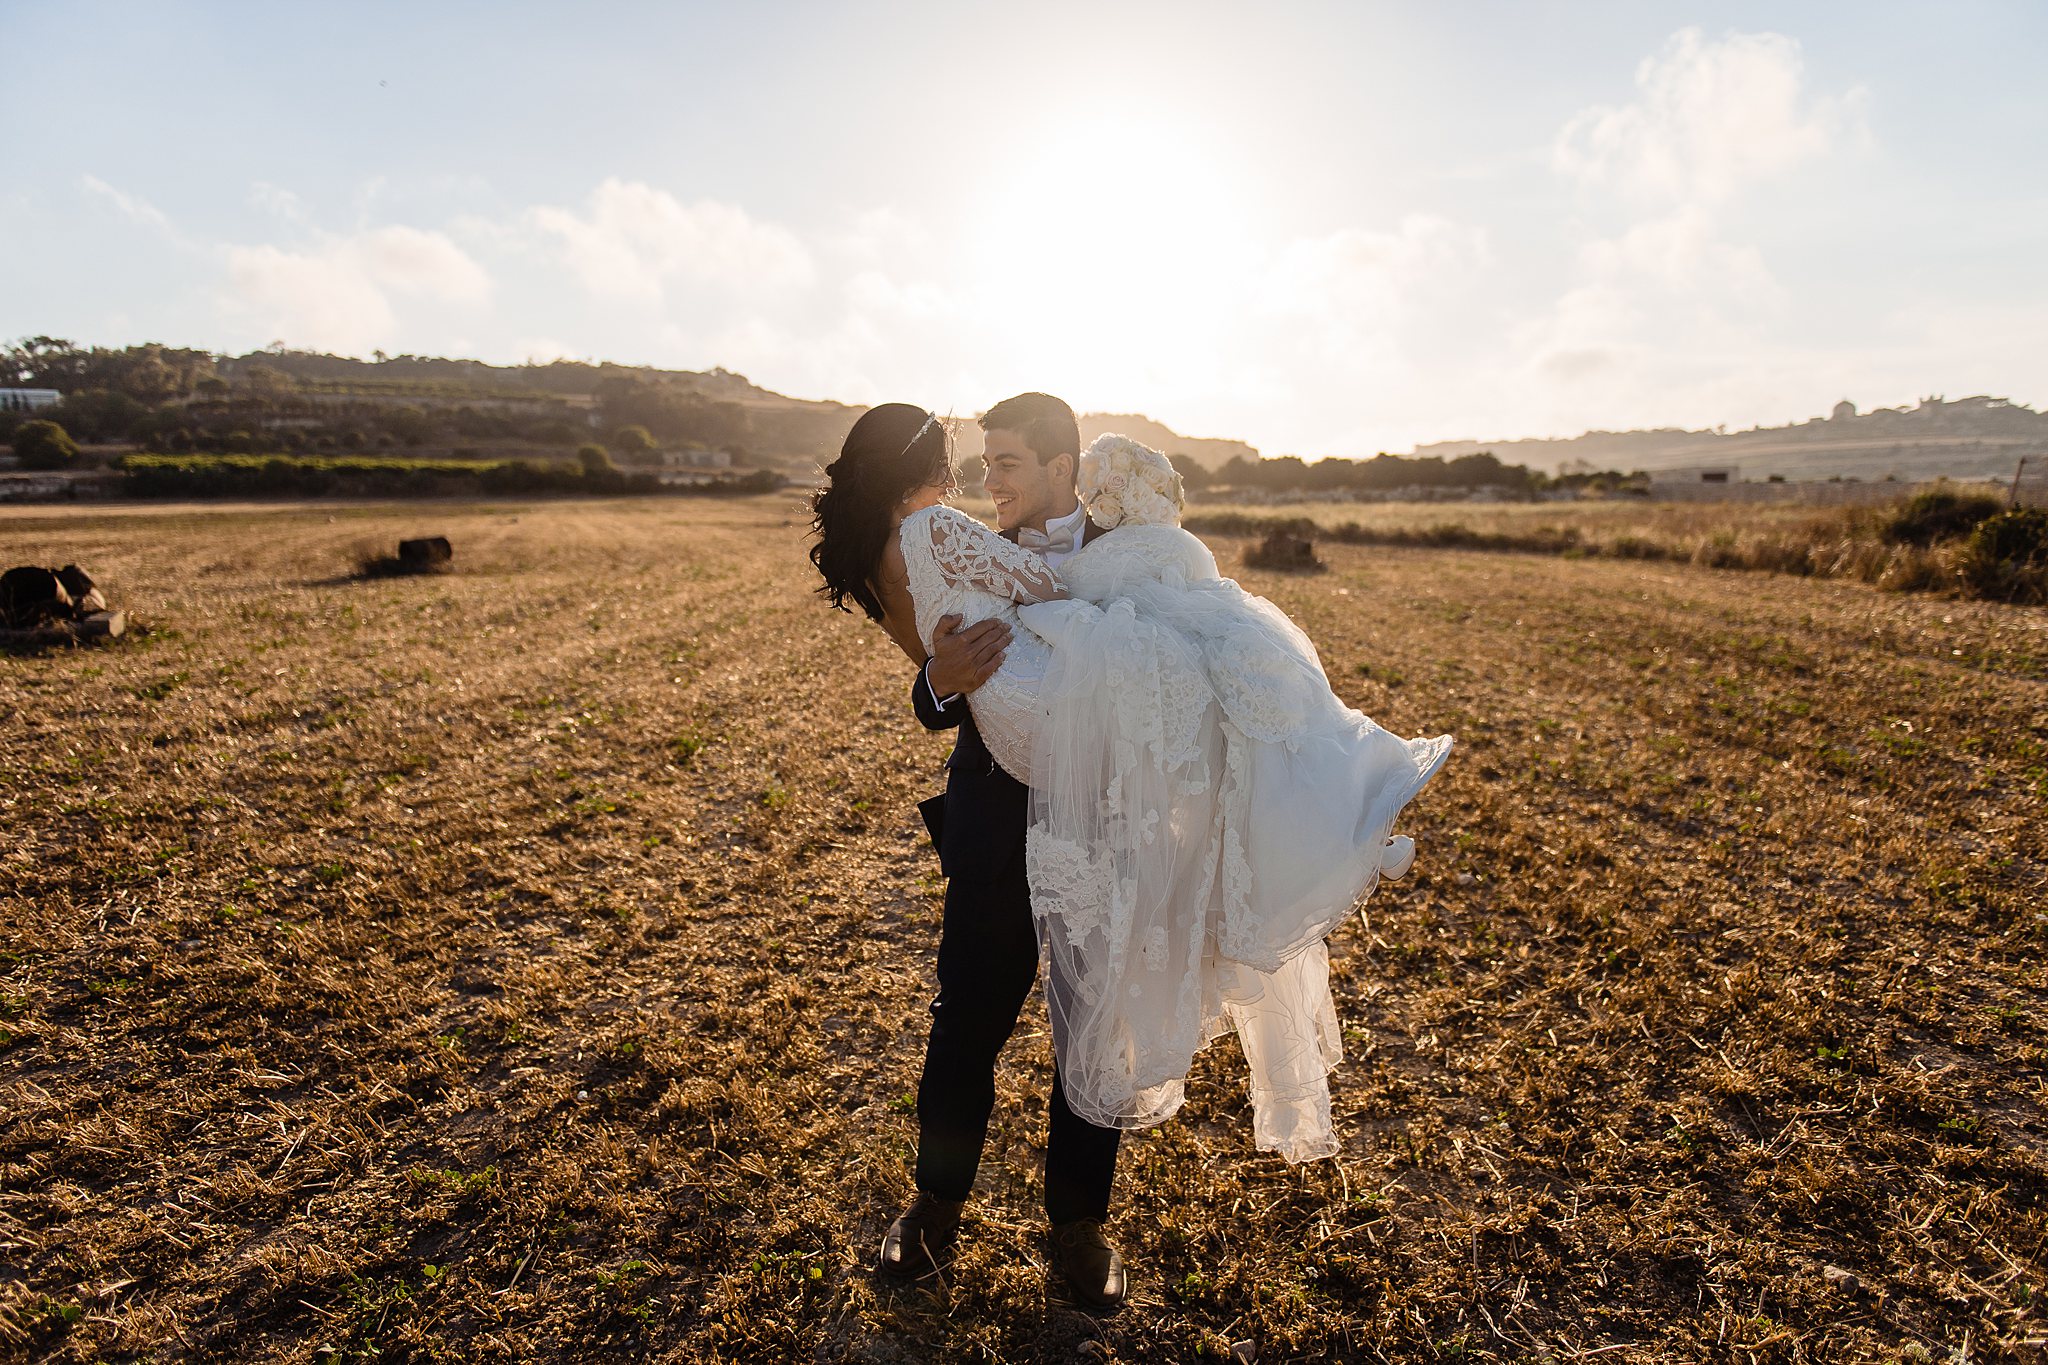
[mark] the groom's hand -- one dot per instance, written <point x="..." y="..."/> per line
<point x="963" y="660"/>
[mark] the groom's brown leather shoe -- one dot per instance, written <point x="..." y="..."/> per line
<point x="1088" y="1263"/>
<point x="919" y="1241"/>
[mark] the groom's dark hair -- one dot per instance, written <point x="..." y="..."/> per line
<point x="1046" y="424"/>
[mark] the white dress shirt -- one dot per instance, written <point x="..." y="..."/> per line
<point x="1071" y="526"/>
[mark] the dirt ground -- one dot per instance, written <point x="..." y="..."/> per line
<point x="529" y="963"/>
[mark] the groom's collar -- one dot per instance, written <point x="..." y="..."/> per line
<point x="1090" y="529"/>
<point x="1077" y="520"/>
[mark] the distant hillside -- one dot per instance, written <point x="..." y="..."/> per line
<point x="176" y="400"/>
<point x="792" y="432"/>
<point x="710" y="407"/>
<point x="565" y="378"/>
<point x="1968" y="438"/>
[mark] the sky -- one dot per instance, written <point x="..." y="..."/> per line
<point x="1324" y="228"/>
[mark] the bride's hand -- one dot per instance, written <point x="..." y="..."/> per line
<point x="963" y="660"/>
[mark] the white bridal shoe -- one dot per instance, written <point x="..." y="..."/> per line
<point x="1397" y="857"/>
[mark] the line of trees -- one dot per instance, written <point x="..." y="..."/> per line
<point x="1393" y="473"/>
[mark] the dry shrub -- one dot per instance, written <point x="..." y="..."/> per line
<point x="1938" y="514"/>
<point x="2006" y="557"/>
<point x="1286" y="552"/>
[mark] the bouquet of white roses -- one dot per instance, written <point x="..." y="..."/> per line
<point x="1125" y="483"/>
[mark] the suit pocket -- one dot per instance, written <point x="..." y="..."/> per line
<point x="933" y="809"/>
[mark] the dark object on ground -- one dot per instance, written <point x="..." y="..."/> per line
<point x="426" y="554"/>
<point x="29" y="596"/>
<point x="86" y="597"/>
<point x="101" y="625"/>
<point x="44" y="607"/>
<point x="1286" y="551"/>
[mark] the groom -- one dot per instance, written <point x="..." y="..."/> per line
<point x="988" y="943"/>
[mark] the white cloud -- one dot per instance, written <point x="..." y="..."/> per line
<point x="634" y="241"/>
<point x="1670" y="315"/>
<point x="1359" y="273"/>
<point x="1341" y="333"/>
<point x="320" y="299"/>
<point x="279" y="202"/>
<point x="416" y="262"/>
<point x="337" y="293"/>
<point x="1326" y="330"/>
<point x="141" y="210"/>
<point x="1709" y="119"/>
<point x="1681" y="253"/>
<point x="875" y="235"/>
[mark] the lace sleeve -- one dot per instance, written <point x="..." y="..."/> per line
<point x="971" y="555"/>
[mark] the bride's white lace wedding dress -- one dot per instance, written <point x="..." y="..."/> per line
<point x="1205" y="811"/>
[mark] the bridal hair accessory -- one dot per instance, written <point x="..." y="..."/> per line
<point x="931" y="419"/>
<point x="1124" y="482"/>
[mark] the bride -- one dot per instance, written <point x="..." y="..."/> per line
<point x="1204" y="810"/>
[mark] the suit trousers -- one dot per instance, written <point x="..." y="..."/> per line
<point x="988" y="958"/>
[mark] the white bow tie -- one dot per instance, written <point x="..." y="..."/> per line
<point x="1058" y="542"/>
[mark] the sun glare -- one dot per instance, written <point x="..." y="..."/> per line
<point x="1105" y="238"/>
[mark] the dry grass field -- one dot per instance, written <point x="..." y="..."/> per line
<point x="529" y="964"/>
<point x="1595" y="520"/>
<point x="1931" y="541"/>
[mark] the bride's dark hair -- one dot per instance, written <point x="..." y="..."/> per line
<point x="891" y="450"/>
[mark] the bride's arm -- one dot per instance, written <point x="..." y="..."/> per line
<point x="970" y="554"/>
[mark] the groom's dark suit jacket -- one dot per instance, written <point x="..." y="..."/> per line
<point x="988" y="958"/>
<point x="978" y="824"/>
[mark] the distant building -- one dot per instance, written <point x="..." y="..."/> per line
<point x="1695" y="474"/>
<point x="1844" y="410"/>
<point x="1695" y="481"/>
<point x="28" y="400"/>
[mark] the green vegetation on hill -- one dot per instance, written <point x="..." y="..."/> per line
<point x="168" y="400"/>
<point x="1394" y="473"/>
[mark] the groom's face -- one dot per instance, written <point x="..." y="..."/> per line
<point x="1026" y="489"/>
